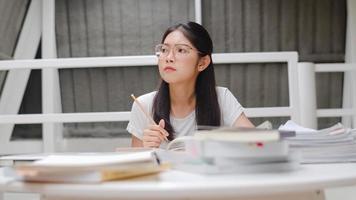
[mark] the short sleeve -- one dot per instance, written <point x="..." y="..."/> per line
<point x="138" y="120"/>
<point x="231" y="109"/>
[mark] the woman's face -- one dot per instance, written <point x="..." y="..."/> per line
<point x="178" y="59"/>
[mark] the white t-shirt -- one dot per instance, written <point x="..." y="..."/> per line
<point x="230" y="110"/>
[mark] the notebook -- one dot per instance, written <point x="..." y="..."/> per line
<point x="90" y="167"/>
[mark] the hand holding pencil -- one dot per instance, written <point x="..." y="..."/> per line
<point x="155" y="133"/>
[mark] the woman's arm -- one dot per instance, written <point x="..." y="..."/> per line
<point x="243" y="121"/>
<point x="135" y="142"/>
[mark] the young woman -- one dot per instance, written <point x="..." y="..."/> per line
<point x="187" y="96"/>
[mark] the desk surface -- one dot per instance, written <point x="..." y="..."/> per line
<point x="177" y="184"/>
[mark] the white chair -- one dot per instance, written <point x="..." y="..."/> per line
<point x="307" y="90"/>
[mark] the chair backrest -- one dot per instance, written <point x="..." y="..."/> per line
<point x="307" y="90"/>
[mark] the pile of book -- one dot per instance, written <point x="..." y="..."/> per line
<point x="87" y="167"/>
<point x="230" y="150"/>
<point x="331" y="145"/>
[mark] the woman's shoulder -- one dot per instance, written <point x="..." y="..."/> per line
<point x="224" y="94"/>
<point x="147" y="98"/>
<point x="222" y="91"/>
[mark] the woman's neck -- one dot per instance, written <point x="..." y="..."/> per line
<point x="182" y="98"/>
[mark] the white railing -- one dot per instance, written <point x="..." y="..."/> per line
<point x="124" y="61"/>
<point x="149" y="60"/>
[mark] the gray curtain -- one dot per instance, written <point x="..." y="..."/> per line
<point x="85" y="28"/>
<point x="314" y="28"/>
<point x="110" y="28"/>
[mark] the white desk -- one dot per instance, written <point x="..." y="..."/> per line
<point x="181" y="185"/>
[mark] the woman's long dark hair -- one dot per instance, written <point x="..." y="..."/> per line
<point x="207" y="108"/>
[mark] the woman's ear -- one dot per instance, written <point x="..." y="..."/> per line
<point x="204" y="63"/>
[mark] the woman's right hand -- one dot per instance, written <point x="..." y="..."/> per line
<point x="154" y="135"/>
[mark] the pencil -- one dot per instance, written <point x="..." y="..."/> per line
<point x="146" y="113"/>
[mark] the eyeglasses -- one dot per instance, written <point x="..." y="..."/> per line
<point x="179" y="50"/>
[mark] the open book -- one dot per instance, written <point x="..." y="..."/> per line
<point x="90" y="168"/>
<point x="231" y="150"/>
<point x="229" y="136"/>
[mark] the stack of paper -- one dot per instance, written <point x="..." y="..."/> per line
<point x="90" y="167"/>
<point x="334" y="144"/>
<point x="229" y="150"/>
